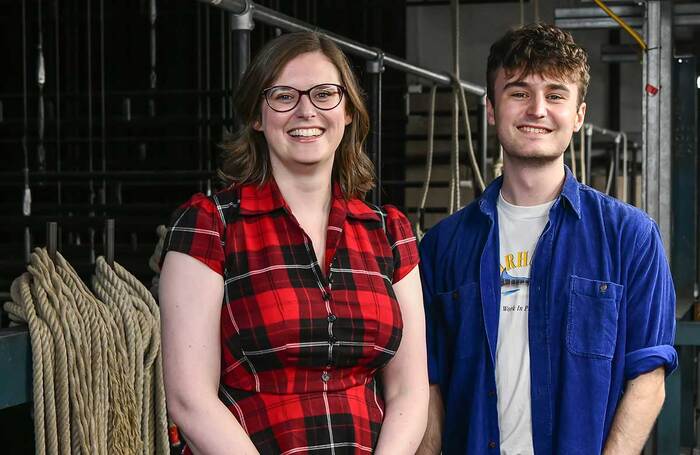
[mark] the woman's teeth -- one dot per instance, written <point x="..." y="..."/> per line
<point x="306" y="132"/>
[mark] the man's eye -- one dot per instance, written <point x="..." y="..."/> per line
<point x="555" y="97"/>
<point x="519" y="95"/>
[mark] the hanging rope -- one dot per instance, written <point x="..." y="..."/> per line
<point x="582" y="153"/>
<point x="477" y="179"/>
<point x="428" y="171"/>
<point x="40" y="81"/>
<point x="498" y="165"/>
<point x="141" y="325"/>
<point x="572" y="154"/>
<point x="454" y="162"/>
<point x="624" y="167"/>
<point x="27" y="197"/>
<point x="460" y="101"/>
<point x="86" y="356"/>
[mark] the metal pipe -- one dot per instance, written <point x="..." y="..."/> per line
<point x="375" y="68"/>
<point x="58" y="100"/>
<point x="109" y="241"/>
<point x="483" y="136"/>
<point x="241" y="27"/>
<point x="112" y="175"/>
<point x="91" y="184"/>
<point x="103" y="114"/>
<point x="276" y="19"/>
<point x="207" y="70"/>
<point x="51" y="239"/>
<point x="200" y="129"/>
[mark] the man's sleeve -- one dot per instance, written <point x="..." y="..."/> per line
<point x="651" y="309"/>
<point x="434" y="332"/>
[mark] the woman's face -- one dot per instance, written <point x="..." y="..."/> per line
<point x="304" y="139"/>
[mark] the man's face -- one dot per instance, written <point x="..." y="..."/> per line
<point x="535" y="116"/>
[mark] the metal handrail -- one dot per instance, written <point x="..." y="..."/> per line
<point x="275" y="18"/>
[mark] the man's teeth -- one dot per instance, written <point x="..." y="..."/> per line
<point x="529" y="129"/>
<point x="306" y="132"/>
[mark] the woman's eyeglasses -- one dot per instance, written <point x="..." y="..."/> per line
<point x="282" y="98"/>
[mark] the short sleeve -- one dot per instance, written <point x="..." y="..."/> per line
<point x="403" y="242"/>
<point x="197" y="229"/>
<point x="651" y="309"/>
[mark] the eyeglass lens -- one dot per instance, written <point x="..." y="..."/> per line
<point x="324" y="96"/>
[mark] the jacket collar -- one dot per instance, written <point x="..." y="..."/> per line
<point x="569" y="192"/>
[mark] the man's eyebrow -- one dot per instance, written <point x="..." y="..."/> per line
<point x="523" y="84"/>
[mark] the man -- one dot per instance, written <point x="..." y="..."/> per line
<point x="549" y="306"/>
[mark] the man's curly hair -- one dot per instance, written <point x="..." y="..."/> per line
<point x="539" y="49"/>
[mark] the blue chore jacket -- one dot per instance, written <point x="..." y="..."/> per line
<point x="601" y="312"/>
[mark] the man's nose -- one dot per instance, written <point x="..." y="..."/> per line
<point x="537" y="107"/>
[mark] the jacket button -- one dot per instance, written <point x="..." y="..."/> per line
<point x="492" y="393"/>
<point x="455" y="295"/>
<point x="492" y="445"/>
<point x="603" y="288"/>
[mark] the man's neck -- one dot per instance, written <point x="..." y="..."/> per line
<point x="526" y="184"/>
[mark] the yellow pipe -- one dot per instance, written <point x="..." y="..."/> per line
<point x="623" y="24"/>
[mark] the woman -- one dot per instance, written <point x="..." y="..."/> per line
<point x="319" y="345"/>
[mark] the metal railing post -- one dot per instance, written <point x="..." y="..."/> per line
<point x="375" y="68"/>
<point x="241" y="26"/>
<point x="483" y="137"/>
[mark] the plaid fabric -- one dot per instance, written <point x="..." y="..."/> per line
<point x="302" y="341"/>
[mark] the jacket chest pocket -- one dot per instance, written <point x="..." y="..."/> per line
<point x="591" y="329"/>
<point x="460" y="310"/>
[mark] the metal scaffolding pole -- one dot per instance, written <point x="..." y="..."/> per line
<point x="375" y="68"/>
<point x="656" y="112"/>
<point x="274" y="18"/>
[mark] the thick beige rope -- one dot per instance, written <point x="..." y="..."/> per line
<point x="118" y="287"/>
<point x="97" y="371"/>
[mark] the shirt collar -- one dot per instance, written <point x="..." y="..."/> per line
<point x="266" y="198"/>
<point x="569" y="193"/>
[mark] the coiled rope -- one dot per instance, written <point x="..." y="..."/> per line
<point x="85" y="399"/>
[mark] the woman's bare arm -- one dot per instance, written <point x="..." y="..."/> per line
<point x="406" y="376"/>
<point x="190" y="297"/>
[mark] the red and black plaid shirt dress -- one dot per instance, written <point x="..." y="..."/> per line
<point x="302" y="342"/>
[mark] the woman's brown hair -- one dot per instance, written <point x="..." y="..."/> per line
<point x="246" y="158"/>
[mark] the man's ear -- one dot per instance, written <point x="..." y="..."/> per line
<point x="580" y="117"/>
<point x="490" y="112"/>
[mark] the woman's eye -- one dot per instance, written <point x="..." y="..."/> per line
<point x="284" y="97"/>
